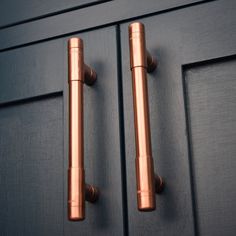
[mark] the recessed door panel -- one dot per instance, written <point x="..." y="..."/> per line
<point x="211" y="106"/>
<point x="31" y="167"/>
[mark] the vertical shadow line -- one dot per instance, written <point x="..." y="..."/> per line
<point x="122" y="129"/>
<point x="190" y="153"/>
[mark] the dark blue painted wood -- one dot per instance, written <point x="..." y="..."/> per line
<point x="211" y="106"/>
<point x="31" y="167"/>
<point x="34" y="124"/>
<point x="84" y="19"/>
<point x="32" y="71"/>
<point x="34" y="140"/>
<point x="13" y="12"/>
<point x="102" y="138"/>
<point x="179" y="38"/>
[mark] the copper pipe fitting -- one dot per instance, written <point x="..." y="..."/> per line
<point x="79" y="73"/>
<point x="142" y="62"/>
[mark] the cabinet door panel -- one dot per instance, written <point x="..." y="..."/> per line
<point x="211" y="103"/>
<point x="81" y="19"/>
<point x="34" y="138"/>
<point x="31" y="167"/>
<point x="194" y="35"/>
<point x="102" y="141"/>
<point x="31" y="121"/>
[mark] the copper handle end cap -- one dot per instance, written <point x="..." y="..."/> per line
<point x="136" y="27"/>
<point x="146" y="201"/>
<point x="75" y="43"/>
<point x="76" y="213"/>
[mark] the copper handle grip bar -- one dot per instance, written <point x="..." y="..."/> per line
<point x="79" y="73"/>
<point x="142" y="62"/>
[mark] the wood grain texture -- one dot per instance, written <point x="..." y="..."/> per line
<point x="17" y="11"/>
<point x="211" y="103"/>
<point x="32" y="71"/>
<point x="31" y="168"/>
<point x="84" y="19"/>
<point x="102" y="138"/>
<point x="177" y="38"/>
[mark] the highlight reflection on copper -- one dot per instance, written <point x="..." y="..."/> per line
<point x="79" y="73"/>
<point x="142" y="62"/>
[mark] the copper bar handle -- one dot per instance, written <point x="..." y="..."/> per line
<point x="141" y="62"/>
<point x="79" y="73"/>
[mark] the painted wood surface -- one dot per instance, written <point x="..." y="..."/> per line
<point x="87" y="18"/>
<point x="34" y="139"/>
<point x="15" y="12"/>
<point x="31" y="167"/>
<point x="102" y="138"/>
<point x="211" y="105"/>
<point x="179" y="39"/>
<point x="195" y="45"/>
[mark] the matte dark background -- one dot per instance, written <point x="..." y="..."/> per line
<point x="192" y="98"/>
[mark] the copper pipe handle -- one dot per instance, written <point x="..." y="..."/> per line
<point x="141" y="62"/>
<point x="79" y="73"/>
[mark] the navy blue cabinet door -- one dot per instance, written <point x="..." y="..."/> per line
<point x="34" y="138"/>
<point x="192" y="98"/>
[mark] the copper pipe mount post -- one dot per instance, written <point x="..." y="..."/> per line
<point x="79" y="73"/>
<point x="142" y="62"/>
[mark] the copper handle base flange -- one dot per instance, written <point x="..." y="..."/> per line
<point x="91" y="193"/>
<point x="159" y="184"/>
<point x="90" y="75"/>
<point x="151" y="62"/>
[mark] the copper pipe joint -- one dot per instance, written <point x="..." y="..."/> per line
<point x="79" y="73"/>
<point x="142" y="62"/>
